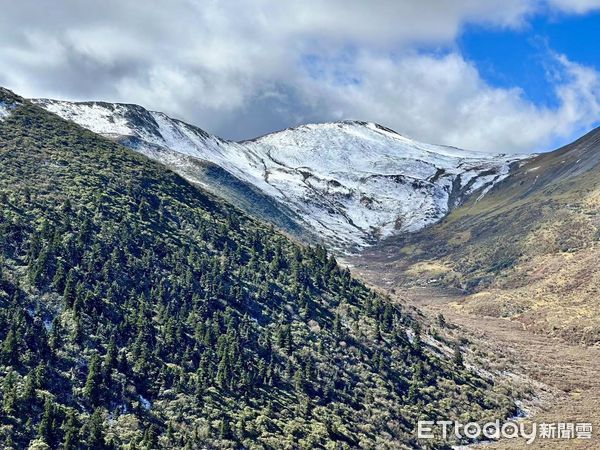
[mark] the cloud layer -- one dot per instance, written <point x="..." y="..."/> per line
<point x="241" y="68"/>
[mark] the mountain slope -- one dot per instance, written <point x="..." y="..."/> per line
<point x="136" y="309"/>
<point x="349" y="183"/>
<point x="528" y="248"/>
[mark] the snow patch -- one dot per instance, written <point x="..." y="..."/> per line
<point x="145" y="403"/>
<point x="6" y="110"/>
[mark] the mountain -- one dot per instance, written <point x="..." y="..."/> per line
<point x="527" y="250"/>
<point x="347" y="184"/>
<point x="139" y="311"/>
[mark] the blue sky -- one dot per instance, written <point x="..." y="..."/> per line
<point x="520" y="57"/>
<point x="499" y="76"/>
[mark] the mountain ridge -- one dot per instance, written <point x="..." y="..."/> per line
<point x="348" y="183"/>
<point x="524" y="251"/>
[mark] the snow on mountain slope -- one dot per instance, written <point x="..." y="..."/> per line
<point x="350" y="183"/>
<point x="7" y="106"/>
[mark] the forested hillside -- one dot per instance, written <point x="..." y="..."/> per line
<point x="137" y="311"/>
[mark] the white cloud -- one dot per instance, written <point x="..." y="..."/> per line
<point x="444" y="99"/>
<point x="242" y="68"/>
<point x="575" y="6"/>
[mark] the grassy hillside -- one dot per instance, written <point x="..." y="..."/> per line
<point x="526" y="248"/>
<point x="137" y="311"/>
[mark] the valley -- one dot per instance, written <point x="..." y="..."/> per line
<point x="517" y="272"/>
<point x="562" y="375"/>
<point x="556" y="378"/>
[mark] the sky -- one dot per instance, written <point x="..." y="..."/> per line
<point x="500" y="76"/>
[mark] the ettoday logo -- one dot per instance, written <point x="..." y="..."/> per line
<point x="445" y="429"/>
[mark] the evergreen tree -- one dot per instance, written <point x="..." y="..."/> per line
<point x="70" y="432"/>
<point x="46" y="427"/>
<point x="69" y="290"/>
<point x="225" y="429"/>
<point x="28" y="395"/>
<point x="95" y="431"/>
<point x="93" y="384"/>
<point x="9" y="350"/>
<point x="58" y="282"/>
<point x="8" y="393"/>
<point x="150" y="440"/>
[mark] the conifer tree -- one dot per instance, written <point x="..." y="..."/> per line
<point x="46" y="426"/>
<point x="8" y="393"/>
<point x="458" y="356"/>
<point x="95" y="431"/>
<point x="93" y="384"/>
<point x="69" y="290"/>
<point x="224" y="429"/>
<point x="70" y="432"/>
<point x="9" y="349"/>
<point x="58" y="282"/>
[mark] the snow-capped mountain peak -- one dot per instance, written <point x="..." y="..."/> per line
<point x="349" y="183"/>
